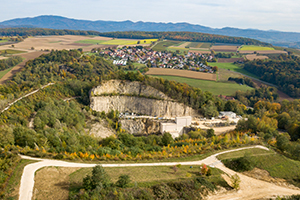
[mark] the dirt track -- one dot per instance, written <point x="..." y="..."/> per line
<point x="17" y="68"/>
<point x="250" y="187"/>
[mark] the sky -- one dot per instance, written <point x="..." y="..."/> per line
<point x="257" y="14"/>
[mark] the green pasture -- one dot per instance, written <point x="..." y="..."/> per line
<point x="11" y="51"/>
<point x="2" y="73"/>
<point x="233" y="67"/>
<point x="255" y="48"/>
<point x="215" y="87"/>
<point x="3" y="41"/>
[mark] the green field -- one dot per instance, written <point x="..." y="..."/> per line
<point x="147" y="176"/>
<point x="11" y="51"/>
<point x="3" y="41"/>
<point x="234" y="68"/>
<point x="163" y="45"/>
<point x="215" y="87"/>
<point x="2" y="73"/>
<point x="116" y="41"/>
<point x="255" y="48"/>
<point x="277" y="165"/>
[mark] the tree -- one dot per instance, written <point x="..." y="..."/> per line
<point x="32" y="48"/>
<point x="210" y="133"/>
<point x="167" y="139"/>
<point x="99" y="178"/>
<point x="282" y="142"/>
<point x="123" y="181"/>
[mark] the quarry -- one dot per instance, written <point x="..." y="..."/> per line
<point x="145" y="110"/>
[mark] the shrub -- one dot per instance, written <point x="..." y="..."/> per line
<point x="245" y="163"/>
<point x="123" y="181"/>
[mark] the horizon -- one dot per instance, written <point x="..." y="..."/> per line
<point x="260" y="15"/>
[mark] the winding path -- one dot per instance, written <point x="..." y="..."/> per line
<point x="249" y="186"/>
<point x="26" y="95"/>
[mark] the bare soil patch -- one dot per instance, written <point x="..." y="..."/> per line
<point x="265" y="52"/>
<point x="230" y="60"/>
<point x="183" y="45"/>
<point x="50" y="179"/>
<point x="2" y="58"/>
<point x="182" y="73"/>
<point x="256" y="57"/>
<point x="225" y="48"/>
<point x="17" y="68"/>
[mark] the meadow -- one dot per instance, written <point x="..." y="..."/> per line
<point x="255" y="48"/>
<point x="11" y="51"/>
<point x="163" y="45"/>
<point x="2" y="73"/>
<point x="234" y="68"/>
<point x="215" y="87"/>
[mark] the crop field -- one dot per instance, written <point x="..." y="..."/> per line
<point x="11" y="51"/>
<point x="215" y="87"/>
<point x="230" y="60"/>
<point x="256" y="57"/>
<point x="234" y="68"/>
<point x="163" y="45"/>
<point x="182" y="73"/>
<point x="227" y="48"/>
<point x="255" y="48"/>
<point x="265" y="52"/>
<point x="116" y="41"/>
<point x="3" y="41"/>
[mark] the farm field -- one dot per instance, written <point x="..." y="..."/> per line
<point x="255" y="48"/>
<point x="233" y="67"/>
<point x="116" y="41"/>
<point x="163" y="45"/>
<point x="256" y="57"/>
<point x="3" y="41"/>
<point x="2" y="73"/>
<point x="182" y="73"/>
<point x="228" y="48"/>
<point x="216" y="88"/>
<point x="11" y="51"/>
<point x="230" y="60"/>
<point x="54" y="42"/>
<point x="266" y="52"/>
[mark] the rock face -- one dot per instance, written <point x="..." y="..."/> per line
<point x="140" y="126"/>
<point x="126" y="87"/>
<point x="133" y="103"/>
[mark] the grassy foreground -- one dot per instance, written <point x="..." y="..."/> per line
<point x="216" y="88"/>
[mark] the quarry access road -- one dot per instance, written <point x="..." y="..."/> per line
<point x="250" y="188"/>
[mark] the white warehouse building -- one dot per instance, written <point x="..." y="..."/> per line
<point x="176" y="129"/>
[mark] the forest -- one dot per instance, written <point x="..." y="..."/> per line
<point x="10" y="62"/>
<point x="184" y="36"/>
<point x="283" y="71"/>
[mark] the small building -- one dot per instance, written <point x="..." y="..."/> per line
<point x="229" y="114"/>
<point x="175" y="129"/>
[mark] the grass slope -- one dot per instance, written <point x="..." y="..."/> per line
<point x="277" y="165"/>
<point x="2" y="73"/>
<point x="255" y="48"/>
<point x="11" y="51"/>
<point x="216" y="88"/>
<point x="233" y="67"/>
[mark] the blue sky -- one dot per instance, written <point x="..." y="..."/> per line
<point x="258" y="14"/>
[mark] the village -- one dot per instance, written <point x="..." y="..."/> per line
<point x="158" y="59"/>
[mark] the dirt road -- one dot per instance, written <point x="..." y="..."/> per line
<point x="263" y="189"/>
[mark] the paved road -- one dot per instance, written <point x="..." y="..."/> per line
<point x="27" y="180"/>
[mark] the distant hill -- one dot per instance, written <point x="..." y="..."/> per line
<point x="57" y="22"/>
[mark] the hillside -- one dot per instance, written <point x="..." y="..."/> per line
<point x="57" y="22"/>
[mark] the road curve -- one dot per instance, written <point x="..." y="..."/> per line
<point x="27" y="179"/>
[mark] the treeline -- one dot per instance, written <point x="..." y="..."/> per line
<point x="42" y="31"/>
<point x="184" y="36"/>
<point x="10" y="62"/>
<point x="243" y="81"/>
<point x="283" y="71"/>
